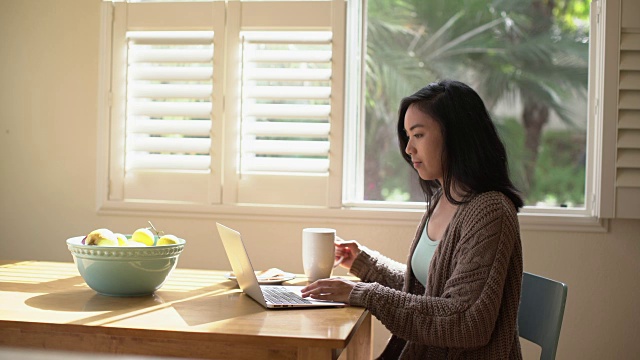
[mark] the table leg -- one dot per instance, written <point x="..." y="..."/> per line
<point x="361" y="346"/>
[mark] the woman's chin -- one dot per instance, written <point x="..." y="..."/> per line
<point x="427" y="177"/>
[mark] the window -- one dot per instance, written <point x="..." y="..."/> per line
<point x="529" y="61"/>
<point x="288" y="107"/>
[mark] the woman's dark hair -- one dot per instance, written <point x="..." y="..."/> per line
<point x="473" y="156"/>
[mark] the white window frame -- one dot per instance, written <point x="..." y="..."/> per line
<point x="533" y="217"/>
<point x="337" y="209"/>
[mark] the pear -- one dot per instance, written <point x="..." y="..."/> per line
<point x="143" y="236"/>
<point x="168" y="240"/>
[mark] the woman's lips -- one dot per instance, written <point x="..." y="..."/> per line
<point x="416" y="163"/>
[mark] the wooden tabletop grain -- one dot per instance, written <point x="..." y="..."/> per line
<point x="196" y="314"/>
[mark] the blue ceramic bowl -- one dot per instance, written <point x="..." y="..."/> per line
<point x="124" y="271"/>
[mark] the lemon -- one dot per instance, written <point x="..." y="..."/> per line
<point x="167" y="240"/>
<point x="143" y="236"/>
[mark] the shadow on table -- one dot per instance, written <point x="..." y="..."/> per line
<point x="192" y="297"/>
<point x="214" y="304"/>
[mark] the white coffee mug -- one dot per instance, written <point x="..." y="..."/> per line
<point x="318" y="252"/>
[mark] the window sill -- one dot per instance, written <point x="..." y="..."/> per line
<point x="538" y="221"/>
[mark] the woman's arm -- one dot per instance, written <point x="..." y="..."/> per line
<point x="372" y="267"/>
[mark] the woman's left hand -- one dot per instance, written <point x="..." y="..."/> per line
<point x="336" y="289"/>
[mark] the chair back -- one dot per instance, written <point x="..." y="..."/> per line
<point x="541" y="312"/>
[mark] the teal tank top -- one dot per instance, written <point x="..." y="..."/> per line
<point x="422" y="256"/>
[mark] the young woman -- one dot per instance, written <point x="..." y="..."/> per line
<point x="458" y="295"/>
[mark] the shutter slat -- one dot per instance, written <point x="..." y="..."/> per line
<point x="288" y="111"/>
<point x="285" y="165"/>
<point x="630" y="41"/>
<point x="629" y="119"/>
<point x="171" y="55"/>
<point x="172" y="91"/>
<point x="168" y="127"/>
<point x="285" y="147"/>
<point x="167" y="162"/>
<point x="629" y="99"/>
<point x="628" y="177"/>
<point x="158" y="109"/>
<point x="287" y="92"/>
<point x="159" y="73"/>
<point x="288" y="74"/>
<point x="629" y="158"/>
<point x="170" y="144"/>
<point x="171" y="37"/>
<point x="629" y="139"/>
<point x="288" y="56"/>
<point x="630" y="60"/>
<point x="280" y="37"/>
<point x="288" y="129"/>
<point x="629" y="80"/>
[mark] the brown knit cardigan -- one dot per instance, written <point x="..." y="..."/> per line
<point x="470" y="305"/>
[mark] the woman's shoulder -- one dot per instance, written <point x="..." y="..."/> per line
<point x="490" y="203"/>
<point x="489" y="210"/>
<point x="490" y="198"/>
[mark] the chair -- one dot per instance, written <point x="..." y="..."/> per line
<point x="541" y="312"/>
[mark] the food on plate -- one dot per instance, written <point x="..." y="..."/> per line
<point x="101" y="237"/>
<point x="273" y="273"/>
<point x="143" y="236"/>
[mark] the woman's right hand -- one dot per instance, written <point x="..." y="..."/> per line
<point x="348" y="250"/>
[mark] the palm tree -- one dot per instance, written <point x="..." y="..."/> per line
<point x="540" y="65"/>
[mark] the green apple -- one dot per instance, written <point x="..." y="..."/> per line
<point x="143" y="236"/>
<point x="168" y="240"/>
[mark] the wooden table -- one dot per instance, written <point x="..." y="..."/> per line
<point x="196" y="314"/>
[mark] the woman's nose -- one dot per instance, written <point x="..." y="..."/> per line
<point x="409" y="148"/>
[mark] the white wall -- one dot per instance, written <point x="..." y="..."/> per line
<point x="48" y="131"/>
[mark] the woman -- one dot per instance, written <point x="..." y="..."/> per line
<point x="458" y="295"/>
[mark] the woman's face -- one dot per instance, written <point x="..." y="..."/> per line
<point x="425" y="143"/>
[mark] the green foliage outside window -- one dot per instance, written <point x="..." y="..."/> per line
<point x="530" y="56"/>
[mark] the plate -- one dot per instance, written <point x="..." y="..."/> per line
<point x="285" y="276"/>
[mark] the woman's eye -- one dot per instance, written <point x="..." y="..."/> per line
<point x="417" y="136"/>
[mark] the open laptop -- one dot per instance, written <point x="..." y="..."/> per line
<point x="269" y="296"/>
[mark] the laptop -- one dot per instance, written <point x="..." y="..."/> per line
<point x="269" y="296"/>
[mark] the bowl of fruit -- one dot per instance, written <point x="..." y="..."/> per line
<point x="116" y="264"/>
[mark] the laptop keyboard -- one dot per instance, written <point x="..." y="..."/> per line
<point x="280" y="295"/>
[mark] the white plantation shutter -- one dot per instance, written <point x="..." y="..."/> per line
<point x="245" y="94"/>
<point x="167" y="102"/>
<point x="628" y="144"/>
<point x="169" y="89"/>
<point x="286" y="101"/>
<point x="291" y="76"/>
